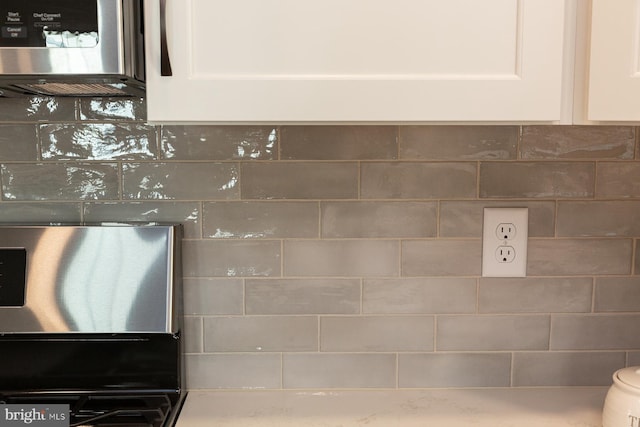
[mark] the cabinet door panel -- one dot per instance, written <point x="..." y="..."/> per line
<point x="357" y="60"/>
<point x="614" y="70"/>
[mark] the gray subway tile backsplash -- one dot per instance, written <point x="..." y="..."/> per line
<point x="350" y="256"/>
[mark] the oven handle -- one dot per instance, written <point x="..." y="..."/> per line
<point x="165" y="60"/>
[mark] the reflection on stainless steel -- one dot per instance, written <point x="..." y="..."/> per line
<point x="106" y="279"/>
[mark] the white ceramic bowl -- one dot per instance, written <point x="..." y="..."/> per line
<point x="622" y="404"/>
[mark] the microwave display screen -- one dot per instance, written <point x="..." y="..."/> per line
<point x="49" y="23"/>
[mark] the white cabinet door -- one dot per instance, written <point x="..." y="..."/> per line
<point x="356" y="60"/>
<point x="614" y="70"/>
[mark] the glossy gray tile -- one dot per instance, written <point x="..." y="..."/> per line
<point x="302" y="296"/>
<point x="204" y="258"/>
<point x="299" y="180"/>
<point x="98" y="141"/>
<point x="458" y="142"/>
<point x="330" y="370"/>
<point x="233" y="371"/>
<point x="37" y="109"/>
<point x="537" y="179"/>
<point x="595" y="332"/>
<point x="492" y="333"/>
<point x="574" y="257"/>
<point x="441" y="257"/>
<point x="578" y="142"/>
<point x="454" y="370"/>
<point x="57" y="181"/>
<point x="113" y="109"/>
<point x="18" y="142"/>
<point x="619" y="180"/>
<point x="419" y="296"/>
<point x="51" y="213"/>
<point x="177" y="181"/>
<point x="633" y="358"/>
<point x="202" y="142"/>
<point x="565" y="369"/>
<point x="205" y="296"/>
<point x="341" y="258"/>
<point x="339" y="142"/>
<point x="256" y="220"/>
<point x="261" y="334"/>
<point x="535" y="295"/>
<point x="599" y="218"/>
<point x="418" y="180"/>
<point x="376" y="333"/>
<point x="617" y="294"/>
<point x="379" y="219"/>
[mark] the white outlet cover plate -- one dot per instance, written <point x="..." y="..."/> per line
<point x="493" y="217"/>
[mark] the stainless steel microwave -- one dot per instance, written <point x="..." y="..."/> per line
<point x="71" y="48"/>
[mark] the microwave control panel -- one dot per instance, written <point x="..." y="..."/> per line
<point x="48" y="23"/>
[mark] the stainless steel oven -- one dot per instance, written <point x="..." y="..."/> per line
<point x="90" y="317"/>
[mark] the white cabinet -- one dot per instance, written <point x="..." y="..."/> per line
<point x="297" y="61"/>
<point x="614" y="65"/>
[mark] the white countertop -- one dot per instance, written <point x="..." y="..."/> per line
<point x="505" y="407"/>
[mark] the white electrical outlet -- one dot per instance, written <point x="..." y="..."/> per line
<point x="504" y="242"/>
